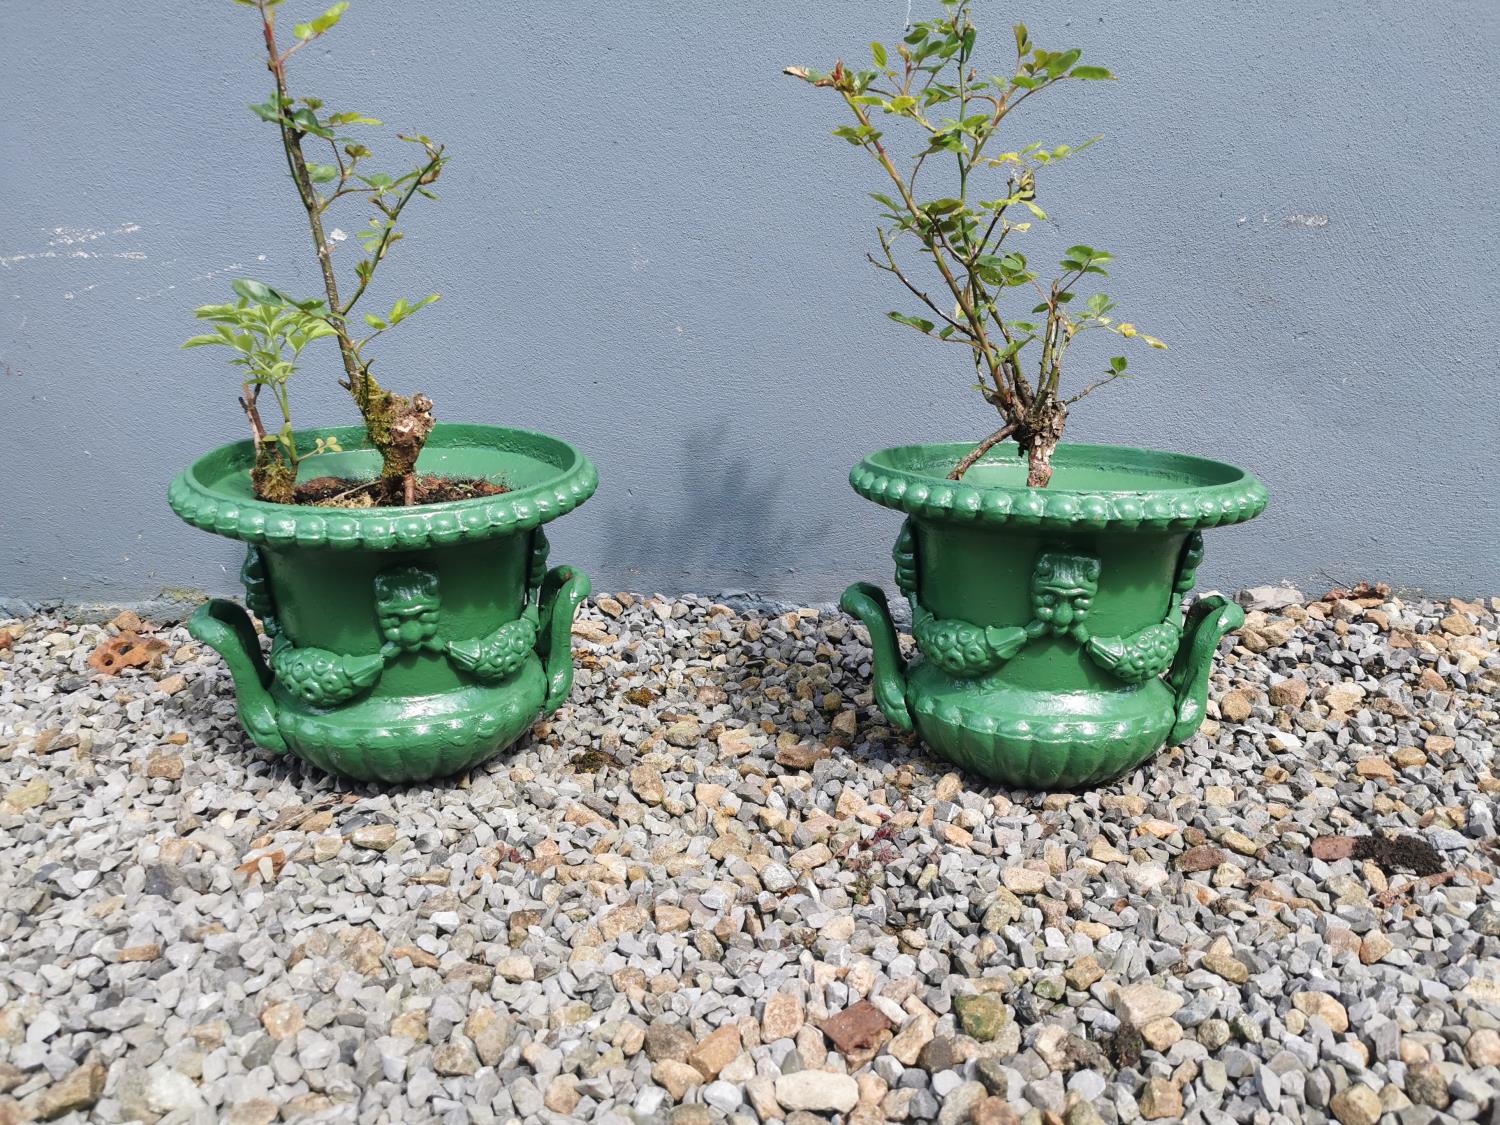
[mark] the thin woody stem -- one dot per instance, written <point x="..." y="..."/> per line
<point x="397" y="426"/>
<point x="960" y="291"/>
<point x="919" y="294"/>
<point x="980" y="450"/>
<point x="252" y="413"/>
<point x="961" y="239"/>
<point x="291" y="143"/>
<point x="385" y="238"/>
<point x="1094" y="386"/>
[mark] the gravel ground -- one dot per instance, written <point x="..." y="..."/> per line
<point x="717" y="885"/>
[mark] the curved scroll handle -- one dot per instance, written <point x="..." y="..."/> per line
<point x="867" y="602"/>
<point x="224" y="627"/>
<point x="1208" y="621"/>
<point x="562" y="590"/>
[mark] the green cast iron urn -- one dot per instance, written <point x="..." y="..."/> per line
<point x="1054" y="650"/>
<point x="406" y="644"/>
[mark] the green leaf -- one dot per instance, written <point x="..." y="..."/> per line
<point x="877" y="52"/>
<point x="1117" y="363"/>
<point x="253" y="290"/>
<point x="269" y="110"/>
<point x="1058" y="64"/>
<point x="923" y="326"/>
<point x="374" y="321"/>
<point x="1085" y="258"/>
<point x="1023" y="40"/>
<point x="201" y="341"/>
<point x="1095" y="73"/>
<point x="857" y="134"/>
<point x="949" y="139"/>
<point x="321" y="173"/>
<point x="321" y="23"/>
<point x="404" y="308"/>
<point x="306" y="120"/>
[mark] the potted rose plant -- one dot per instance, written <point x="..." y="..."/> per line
<point x="1046" y="579"/>
<point x="399" y="567"/>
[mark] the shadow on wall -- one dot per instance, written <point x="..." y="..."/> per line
<point x="727" y="530"/>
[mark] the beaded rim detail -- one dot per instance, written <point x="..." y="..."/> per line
<point x="198" y="498"/>
<point x="1196" y="492"/>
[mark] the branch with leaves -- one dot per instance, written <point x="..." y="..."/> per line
<point x="267" y="337"/>
<point x="397" y="425"/>
<point x="931" y="85"/>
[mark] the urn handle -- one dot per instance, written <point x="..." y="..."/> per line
<point x="866" y="601"/>
<point x="226" y="628"/>
<point x="1208" y="621"/>
<point x="562" y="591"/>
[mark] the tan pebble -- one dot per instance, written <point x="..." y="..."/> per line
<point x="1374" y="947"/>
<point x="282" y="1020"/>
<point x="1023" y="880"/>
<point x="1291" y="692"/>
<point x="164" y="765"/>
<point x="1162" y="1033"/>
<point x="1234" y="706"/>
<point x="376" y="837"/>
<point x="1322" y="1006"/>
<point x="1483" y="1047"/>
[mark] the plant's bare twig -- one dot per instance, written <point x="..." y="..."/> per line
<point x="980" y="450"/>
<point x="1094" y="386"/>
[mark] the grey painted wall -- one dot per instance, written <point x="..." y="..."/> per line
<point x="649" y="244"/>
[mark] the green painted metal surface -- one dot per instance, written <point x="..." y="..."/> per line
<point x="407" y="644"/>
<point x="1054" y="647"/>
